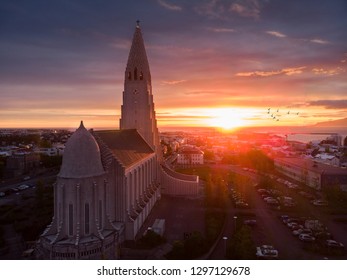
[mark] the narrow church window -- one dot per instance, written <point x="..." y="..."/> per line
<point x="100" y="214"/>
<point x="70" y="219"/>
<point x="141" y="75"/>
<point x="129" y="75"/>
<point x="86" y="218"/>
<point x="135" y="74"/>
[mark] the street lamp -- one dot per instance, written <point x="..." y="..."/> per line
<point x="235" y="218"/>
<point x="225" y="245"/>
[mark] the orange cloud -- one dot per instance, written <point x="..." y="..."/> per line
<point x="329" y="72"/>
<point x="285" y="71"/>
<point x="173" y="82"/>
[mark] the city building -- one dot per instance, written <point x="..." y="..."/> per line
<point x="20" y="163"/>
<point x="110" y="180"/>
<point x="189" y="156"/>
<point x="311" y="173"/>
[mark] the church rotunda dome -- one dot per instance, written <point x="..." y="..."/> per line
<point x="81" y="156"/>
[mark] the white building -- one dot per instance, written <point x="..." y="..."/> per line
<point x="190" y="155"/>
<point x="311" y="173"/>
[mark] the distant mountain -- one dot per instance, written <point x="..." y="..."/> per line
<point x="336" y="123"/>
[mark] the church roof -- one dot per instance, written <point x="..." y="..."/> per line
<point x="81" y="156"/>
<point x="126" y="145"/>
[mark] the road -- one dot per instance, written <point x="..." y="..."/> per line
<point x="15" y="197"/>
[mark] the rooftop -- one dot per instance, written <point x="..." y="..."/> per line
<point x="312" y="165"/>
<point x="82" y="156"/>
<point x="126" y="145"/>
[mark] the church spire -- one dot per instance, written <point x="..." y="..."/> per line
<point x="138" y="66"/>
<point x="137" y="110"/>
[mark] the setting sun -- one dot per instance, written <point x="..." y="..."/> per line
<point x="227" y="118"/>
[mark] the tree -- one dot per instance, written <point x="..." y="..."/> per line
<point x="241" y="245"/>
<point x="208" y="155"/>
<point x="334" y="192"/>
<point x="194" y="246"/>
<point x="150" y="240"/>
<point x="45" y="144"/>
<point x="265" y="183"/>
<point x="177" y="252"/>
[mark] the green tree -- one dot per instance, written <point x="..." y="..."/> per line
<point x="45" y="144"/>
<point x="150" y="240"/>
<point x="194" y="246"/>
<point x="241" y="245"/>
<point x="177" y="252"/>
<point x="208" y="155"/>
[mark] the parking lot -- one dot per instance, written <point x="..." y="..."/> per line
<point x="283" y="208"/>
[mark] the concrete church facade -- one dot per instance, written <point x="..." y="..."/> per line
<point x="110" y="180"/>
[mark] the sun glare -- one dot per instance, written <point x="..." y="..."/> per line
<point x="226" y="119"/>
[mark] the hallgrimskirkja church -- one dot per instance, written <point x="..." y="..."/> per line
<point x="110" y="180"/>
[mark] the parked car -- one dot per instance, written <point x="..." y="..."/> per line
<point x="284" y="218"/>
<point x="306" y="237"/>
<point x="319" y="202"/>
<point x="266" y="252"/>
<point x="302" y="230"/>
<point x="334" y="244"/>
<point x="23" y="187"/>
<point x="289" y="204"/>
<point x="272" y="201"/>
<point x="241" y="204"/>
<point x="250" y="222"/>
<point x="263" y="191"/>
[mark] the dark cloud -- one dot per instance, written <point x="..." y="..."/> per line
<point x="330" y="104"/>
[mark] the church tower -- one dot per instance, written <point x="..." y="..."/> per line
<point x="137" y="111"/>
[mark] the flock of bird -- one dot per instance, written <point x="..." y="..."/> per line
<point x="275" y="115"/>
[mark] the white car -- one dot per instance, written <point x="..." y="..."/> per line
<point x="271" y="200"/>
<point x="23" y="187"/>
<point x="301" y="231"/>
<point x="306" y="237"/>
<point x="320" y="202"/>
<point x="266" y="252"/>
<point x="334" y="244"/>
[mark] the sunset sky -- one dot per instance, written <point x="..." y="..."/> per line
<point x="212" y="62"/>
